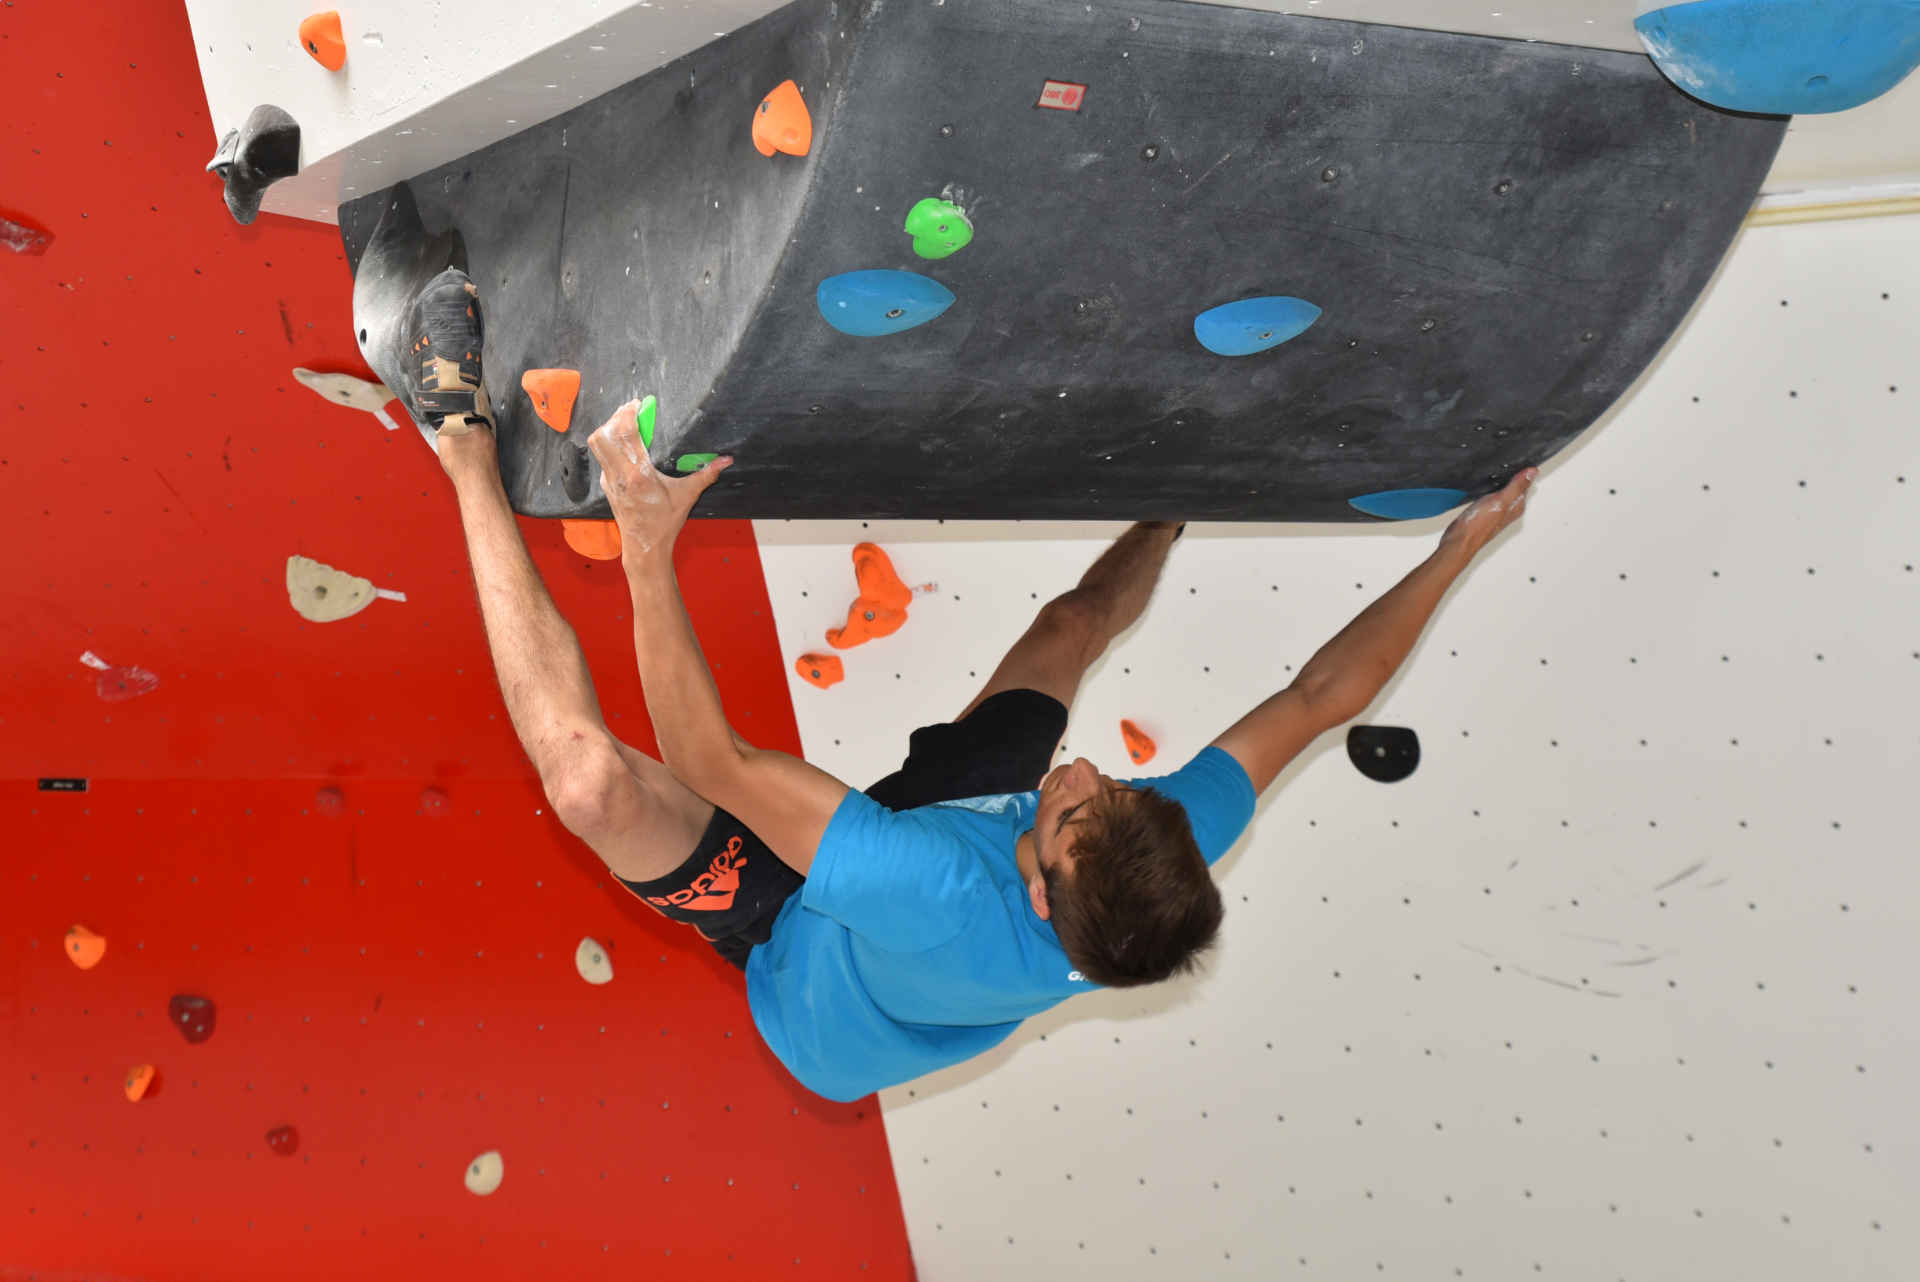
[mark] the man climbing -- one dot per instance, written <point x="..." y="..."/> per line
<point x="890" y="932"/>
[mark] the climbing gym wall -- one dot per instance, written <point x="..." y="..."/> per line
<point x="327" y="831"/>
<point x="1613" y="985"/>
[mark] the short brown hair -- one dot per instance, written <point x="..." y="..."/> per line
<point x="1140" y="905"/>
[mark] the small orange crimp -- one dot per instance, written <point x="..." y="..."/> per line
<point x="320" y="35"/>
<point x="597" y="539"/>
<point x="782" y="122"/>
<point x="881" y="607"/>
<point x="552" y="392"/>
<point x="1140" y="746"/>
<point x="85" y="948"/>
<point x="139" y="1082"/>
<point x="822" y="670"/>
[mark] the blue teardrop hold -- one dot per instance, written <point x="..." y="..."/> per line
<point x="872" y="303"/>
<point x="1409" y="505"/>
<point x="1253" y="324"/>
<point x="1784" y="57"/>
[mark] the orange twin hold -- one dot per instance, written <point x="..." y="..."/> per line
<point x="881" y="607"/>
<point x="821" y="670"/>
<point x="85" y="948"/>
<point x="782" y="122"/>
<point x="552" y="391"/>
<point x="320" y="35"/>
<point x="1139" y="746"/>
<point x="597" y="539"/>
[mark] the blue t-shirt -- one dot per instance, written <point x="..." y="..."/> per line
<point x="913" y="944"/>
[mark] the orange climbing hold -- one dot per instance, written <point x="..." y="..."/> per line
<point x="139" y="1082"/>
<point x="552" y="391"/>
<point x="85" y="948"/>
<point x="1140" y="746"/>
<point x="821" y="670"/>
<point x="782" y="122"/>
<point x="881" y="607"/>
<point x="320" y="35"/>
<point x="597" y="539"/>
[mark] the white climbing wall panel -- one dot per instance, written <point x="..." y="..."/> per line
<point x="1619" y="984"/>
<point x="427" y="81"/>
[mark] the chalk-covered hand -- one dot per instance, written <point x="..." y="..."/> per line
<point x="648" y="507"/>
<point x="1476" y="527"/>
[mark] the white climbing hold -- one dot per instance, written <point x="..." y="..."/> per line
<point x="484" y="1174"/>
<point x="591" y="960"/>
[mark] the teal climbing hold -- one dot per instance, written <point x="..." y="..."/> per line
<point x="1253" y="325"/>
<point x="1409" y="505"/>
<point x="870" y="304"/>
<point x="1784" y="57"/>
<point x="939" y="228"/>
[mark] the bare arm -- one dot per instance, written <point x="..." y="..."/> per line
<point x="1348" y="672"/>
<point x="786" y="802"/>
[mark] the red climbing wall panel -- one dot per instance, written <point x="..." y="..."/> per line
<point x="396" y="982"/>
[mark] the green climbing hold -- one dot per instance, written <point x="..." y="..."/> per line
<point x="938" y="228"/>
<point x="694" y="462"/>
<point x="644" y="421"/>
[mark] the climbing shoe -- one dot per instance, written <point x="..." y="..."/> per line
<point x="445" y="334"/>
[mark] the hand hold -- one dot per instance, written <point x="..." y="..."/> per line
<point x="782" y="122"/>
<point x="484" y="1174"/>
<point x="881" y="607"/>
<point x="599" y="540"/>
<point x="330" y="802"/>
<point x="324" y="594"/>
<point x="84" y="948"/>
<point x="822" y="670"/>
<point x="262" y="151"/>
<point x="193" y="1016"/>
<point x="1253" y="325"/>
<point x="553" y="392"/>
<point x="320" y="35"/>
<point x="142" y="1081"/>
<point x="345" y="389"/>
<point x="591" y="960"/>
<point x="939" y="228"/>
<point x="693" y="462"/>
<point x="643" y="420"/>
<point x="284" y="1140"/>
<point x="1140" y="746"/>
<point x="22" y="235"/>
<point x="434" y="802"/>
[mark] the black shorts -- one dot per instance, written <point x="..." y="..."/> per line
<point x="732" y="887"/>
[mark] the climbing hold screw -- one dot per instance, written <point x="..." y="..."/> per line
<point x="1502" y="187"/>
<point x="1150" y="152"/>
<point x="896" y="313"/>
<point x="1427" y="324"/>
<point x="946" y="131"/>
<point x="1329" y="175"/>
<point x="1588" y="337"/>
<point x="815" y="409"/>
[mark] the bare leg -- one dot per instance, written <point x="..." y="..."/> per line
<point x="1075" y="628"/>
<point x="629" y="808"/>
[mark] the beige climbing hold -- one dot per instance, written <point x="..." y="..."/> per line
<point x="326" y="595"/>
<point x="354" y="393"/>
<point x="484" y="1174"/>
<point x="591" y="960"/>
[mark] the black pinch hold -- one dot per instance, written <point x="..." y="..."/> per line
<point x="1384" y="754"/>
<point x="262" y="151"/>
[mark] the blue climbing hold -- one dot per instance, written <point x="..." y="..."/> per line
<point x="869" y="304"/>
<point x="1253" y="325"/>
<point x="1784" y="57"/>
<point x="1409" y="505"/>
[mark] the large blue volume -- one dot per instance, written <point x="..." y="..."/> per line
<point x="871" y="303"/>
<point x="1409" y="505"/>
<point x="1253" y="324"/>
<point x="1784" y="57"/>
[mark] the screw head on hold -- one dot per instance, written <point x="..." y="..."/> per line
<point x="869" y="616"/>
<point x="946" y="131"/>
<point x="1329" y="175"/>
<point x="1427" y="324"/>
<point x="896" y="313"/>
<point x="1150" y="152"/>
<point x="1502" y="187"/>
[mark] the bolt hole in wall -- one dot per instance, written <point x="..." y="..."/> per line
<point x="1577" y="916"/>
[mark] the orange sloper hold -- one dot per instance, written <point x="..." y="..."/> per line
<point x="821" y="670"/>
<point x="782" y="122"/>
<point x="139" y="1082"/>
<point x="85" y="948"/>
<point x="552" y="392"/>
<point x="1140" y="746"/>
<point x="320" y="35"/>
<point x="881" y="607"/>
<point x="597" y="539"/>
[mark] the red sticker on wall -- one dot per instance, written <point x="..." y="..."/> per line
<point x="1062" y="95"/>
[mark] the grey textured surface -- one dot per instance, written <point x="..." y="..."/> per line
<point x="1502" y="236"/>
